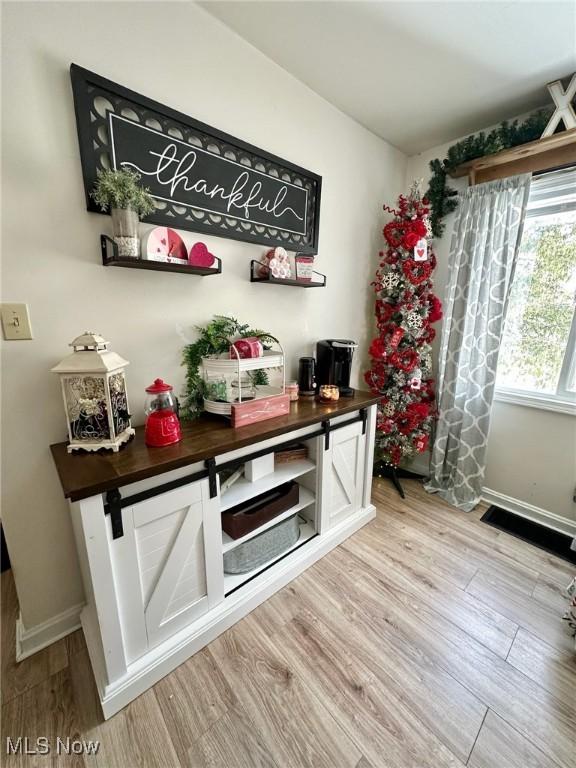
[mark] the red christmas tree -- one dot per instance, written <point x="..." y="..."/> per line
<point x="401" y="354"/>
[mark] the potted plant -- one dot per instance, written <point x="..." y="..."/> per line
<point x="128" y="202"/>
<point x="214" y="338"/>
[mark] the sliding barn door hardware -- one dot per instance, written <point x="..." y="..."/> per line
<point x="115" y="503"/>
<point x="326" y="432"/>
<point x="113" y="507"/>
<point x="212" y="477"/>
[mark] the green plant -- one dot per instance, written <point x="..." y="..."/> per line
<point x="215" y="338"/>
<point x="506" y="135"/>
<point x="120" y="189"/>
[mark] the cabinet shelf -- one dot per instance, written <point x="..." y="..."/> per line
<point x="234" y="580"/>
<point x="255" y="266"/>
<point x="110" y="258"/>
<point x="306" y="498"/>
<point x="243" y="489"/>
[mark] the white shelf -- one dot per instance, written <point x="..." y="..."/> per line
<point x="223" y="364"/>
<point x="306" y="498"/>
<point x="243" y="489"/>
<point x="233" y="580"/>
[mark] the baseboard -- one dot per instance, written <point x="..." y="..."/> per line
<point x="529" y="511"/>
<point x="34" y="639"/>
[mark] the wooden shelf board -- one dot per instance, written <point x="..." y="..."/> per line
<point x="161" y="266"/>
<point x="265" y="277"/>
<point x="243" y="489"/>
<point x="298" y="283"/>
<point x="110" y="258"/>
<point x="306" y="498"/>
<point x="540" y="146"/>
<point x="235" y="580"/>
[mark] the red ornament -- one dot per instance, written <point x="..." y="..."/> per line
<point x="405" y="360"/>
<point x="386" y="425"/>
<point x="435" y="309"/>
<point x="416" y="271"/>
<point x="421" y="443"/>
<point x="377" y="349"/>
<point x="384" y="311"/>
<point x="409" y="240"/>
<point x="419" y="228"/>
<point x="397" y="334"/>
<point x="428" y="336"/>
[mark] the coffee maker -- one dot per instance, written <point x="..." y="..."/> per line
<point x="334" y="364"/>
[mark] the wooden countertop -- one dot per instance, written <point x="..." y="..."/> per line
<point x="87" y="474"/>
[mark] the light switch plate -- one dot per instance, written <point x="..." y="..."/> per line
<point x="15" y="322"/>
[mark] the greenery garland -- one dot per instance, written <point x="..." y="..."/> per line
<point x="215" y="338"/>
<point x="505" y="136"/>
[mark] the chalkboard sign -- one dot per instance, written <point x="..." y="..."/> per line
<point x="201" y="179"/>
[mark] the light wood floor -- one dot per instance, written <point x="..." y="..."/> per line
<point x="427" y="640"/>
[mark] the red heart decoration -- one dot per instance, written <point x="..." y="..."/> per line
<point x="163" y="241"/>
<point x="200" y="256"/>
<point x="393" y="232"/>
<point x="416" y="271"/>
<point x="420" y="251"/>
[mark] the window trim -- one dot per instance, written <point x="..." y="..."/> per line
<point x="563" y="400"/>
<point x="546" y="402"/>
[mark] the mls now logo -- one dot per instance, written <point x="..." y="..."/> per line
<point x="43" y="746"/>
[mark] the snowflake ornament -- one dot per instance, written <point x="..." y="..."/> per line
<point x="390" y="281"/>
<point x="414" y="321"/>
<point x="388" y="409"/>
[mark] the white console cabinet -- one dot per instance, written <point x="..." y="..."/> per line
<point x="151" y="549"/>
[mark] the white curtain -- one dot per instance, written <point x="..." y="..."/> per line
<point x="483" y="252"/>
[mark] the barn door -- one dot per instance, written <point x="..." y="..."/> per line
<point x="342" y="474"/>
<point x="178" y="551"/>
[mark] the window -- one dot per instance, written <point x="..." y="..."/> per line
<point x="537" y="361"/>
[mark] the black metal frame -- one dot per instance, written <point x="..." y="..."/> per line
<point x="159" y="266"/>
<point x="254" y="278"/>
<point x="115" y="502"/>
<point x="88" y="85"/>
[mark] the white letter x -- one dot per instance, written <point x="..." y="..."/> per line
<point x="564" y="109"/>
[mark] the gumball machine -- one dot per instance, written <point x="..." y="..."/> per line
<point x="162" y="423"/>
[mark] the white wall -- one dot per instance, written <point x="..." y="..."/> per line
<point x="531" y="452"/>
<point x="51" y="248"/>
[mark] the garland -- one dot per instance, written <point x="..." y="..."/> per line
<point x="505" y="136"/>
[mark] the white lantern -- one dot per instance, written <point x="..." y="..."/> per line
<point x="95" y="399"/>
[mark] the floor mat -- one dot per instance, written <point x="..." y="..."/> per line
<point x="539" y="535"/>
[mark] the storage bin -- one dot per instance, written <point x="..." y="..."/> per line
<point x="251" y="514"/>
<point x="263" y="547"/>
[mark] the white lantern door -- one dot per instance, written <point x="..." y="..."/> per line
<point x="177" y="552"/>
<point x="342" y="475"/>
